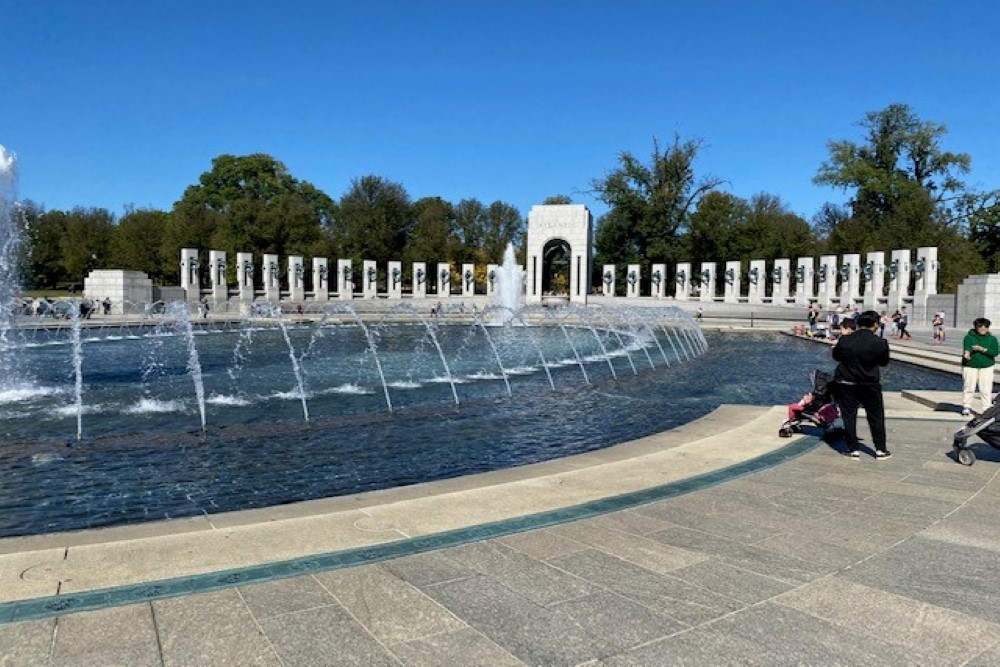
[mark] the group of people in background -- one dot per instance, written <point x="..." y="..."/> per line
<point x="861" y="350"/>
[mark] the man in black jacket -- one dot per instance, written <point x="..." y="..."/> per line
<point x="857" y="382"/>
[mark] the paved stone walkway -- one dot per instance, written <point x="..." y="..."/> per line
<point x="820" y="560"/>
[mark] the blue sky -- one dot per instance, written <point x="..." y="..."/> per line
<point x="108" y="103"/>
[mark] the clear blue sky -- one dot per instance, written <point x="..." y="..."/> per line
<point x="108" y="103"/>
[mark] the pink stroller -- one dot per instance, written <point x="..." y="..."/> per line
<point x="820" y="412"/>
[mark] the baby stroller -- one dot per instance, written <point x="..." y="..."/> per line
<point x="985" y="426"/>
<point x="820" y="412"/>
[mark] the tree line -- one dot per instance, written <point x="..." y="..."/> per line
<point x="904" y="191"/>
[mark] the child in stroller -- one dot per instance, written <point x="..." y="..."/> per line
<point x="817" y="408"/>
<point x="986" y="426"/>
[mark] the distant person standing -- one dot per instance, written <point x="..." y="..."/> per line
<point x="937" y="322"/>
<point x="979" y="351"/>
<point x="858" y="383"/>
<point x="904" y="321"/>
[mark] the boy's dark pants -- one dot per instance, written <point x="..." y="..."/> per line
<point x="849" y="398"/>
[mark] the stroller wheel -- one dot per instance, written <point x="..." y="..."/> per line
<point x="966" y="456"/>
<point x="785" y="432"/>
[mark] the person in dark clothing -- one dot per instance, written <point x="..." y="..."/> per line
<point x="857" y="382"/>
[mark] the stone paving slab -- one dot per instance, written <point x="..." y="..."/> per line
<point x="821" y="560"/>
<point x="434" y="509"/>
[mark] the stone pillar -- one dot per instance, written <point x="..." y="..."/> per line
<point x="682" y="278"/>
<point x="217" y="265"/>
<point x="826" y="280"/>
<point x="394" y="280"/>
<point x="850" y="278"/>
<point x="804" y="277"/>
<point x="491" y="279"/>
<point x="443" y="277"/>
<point x="345" y="279"/>
<point x="468" y="280"/>
<point x="899" y="278"/>
<point x="707" y="281"/>
<point x="189" y="274"/>
<point x="925" y="271"/>
<point x="632" y="280"/>
<point x="608" y="279"/>
<point x="781" y="279"/>
<point x="321" y="279"/>
<point x="757" y="277"/>
<point x="296" y="279"/>
<point x="731" y="280"/>
<point x="244" y="277"/>
<point x="369" y="279"/>
<point x="419" y="280"/>
<point x="272" y="282"/>
<point x="658" y="281"/>
<point x="873" y="274"/>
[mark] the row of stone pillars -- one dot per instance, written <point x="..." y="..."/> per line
<point x="874" y="284"/>
<point x="342" y="282"/>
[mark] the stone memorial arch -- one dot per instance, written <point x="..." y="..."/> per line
<point x="558" y="252"/>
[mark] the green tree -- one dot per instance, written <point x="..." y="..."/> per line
<point x="774" y="231"/>
<point x="557" y="200"/>
<point x="433" y="236"/>
<point x="904" y="188"/>
<point x="650" y="203"/>
<point x="41" y="256"/>
<point x="470" y="225"/>
<point x="248" y="204"/>
<point x="725" y="227"/>
<point x="137" y="241"/>
<point x="374" y="220"/>
<point x="85" y="244"/>
<point x="982" y="210"/>
<point x="717" y="228"/>
<point x="502" y="224"/>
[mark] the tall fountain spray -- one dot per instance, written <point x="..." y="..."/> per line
<point x="10" y="241"/>
<point x="509" y="295"/>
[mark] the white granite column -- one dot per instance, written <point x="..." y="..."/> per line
<point x="707" y="281"/>
<point x="731" y="278"/>
<point x="321" y="279"/>
<point x="632" y="280"/>
<point x="608" y="279"/>
<point x="369" y="288"/>
<point x="220" y="291"/>
<point x="468" y="280"/>
<point x="899" y="278"/>
<point x="244" y="277"/>
<point x="658" y="281"/>
<point x="826" y="280"/>
<point x="925" y="271"/>
<point x="780" y="281"/>
<point x="443" y="277"/>
<point x="491" y="279"/>
<point x="394" y="280"/>
<point x="804" y="277"/>
<point x="345" y="279"/>
<point x="757" y="277"/>
<point x="189" y="274"/>
<point x="850" y="275"/>
<point x="682" y="277"/>
<point x="272" y="282"/>
<point x="419" y="280"/>
<point x="874" y="277"/>
<point x="296" y="279"/>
